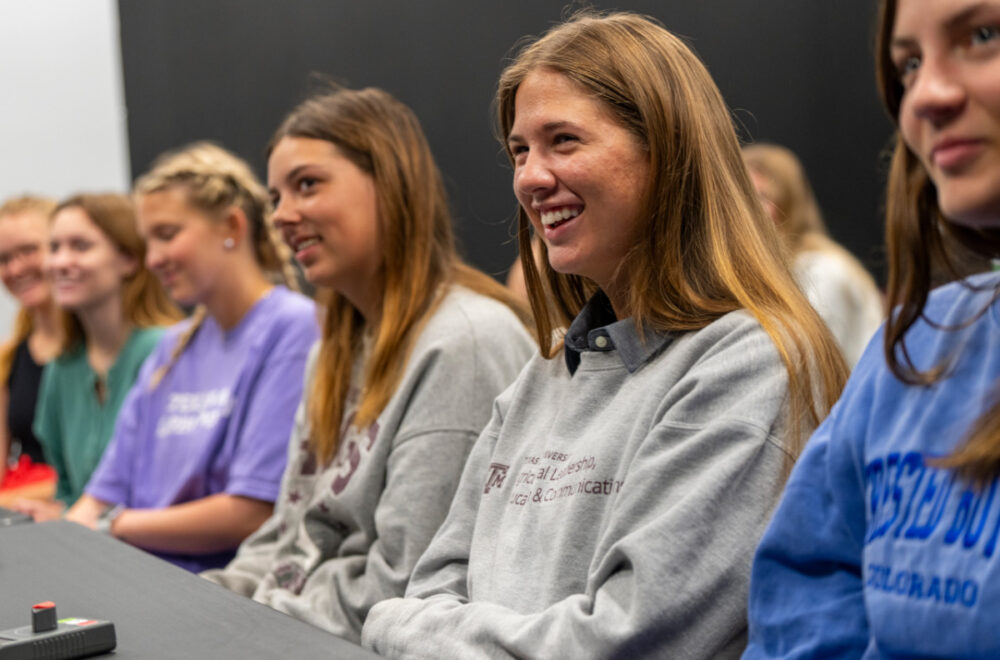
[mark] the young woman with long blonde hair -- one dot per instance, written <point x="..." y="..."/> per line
<point x="611" y="507"/>
<point x="196" y="459"/>
<point x="415" y="346"/>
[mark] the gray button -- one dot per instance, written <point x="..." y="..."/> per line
<point x="601" y="341"/>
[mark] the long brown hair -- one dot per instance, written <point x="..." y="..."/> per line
<point x="214" y="180"/>
<point x="145" y="302"/>
<point x="383" y="138"/>
<point x="917" y="237"/>
<point x="708" y="247"/>
<point x="23" y="323"/>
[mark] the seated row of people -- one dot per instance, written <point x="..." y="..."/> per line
<point x="414" y="348"/>
<point x="608" y="499"/>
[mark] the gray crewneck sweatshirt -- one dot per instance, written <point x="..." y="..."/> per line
<point x="347" y="535"/>
<point x="611" y="507"/>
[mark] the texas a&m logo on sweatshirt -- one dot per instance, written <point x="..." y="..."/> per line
<point x="498" y="472"/>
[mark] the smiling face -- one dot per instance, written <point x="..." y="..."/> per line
<point x="325" y="208"/>
<point x="947" y="53"/>
<point x="579" y="174"/>
<point x="184" y="246"/>
<point x="86" y="268"/>
<point x="24" y="239"/>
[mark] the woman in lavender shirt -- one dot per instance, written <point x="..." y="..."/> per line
<point x="199" y="448"/>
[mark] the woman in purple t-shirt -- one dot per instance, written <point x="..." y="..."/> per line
<point x="199" y="446"/>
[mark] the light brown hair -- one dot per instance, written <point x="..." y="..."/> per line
<point x="708" y="248"/>
<point x="917" y="238"/>
<point x="23" y="324"/>
<point x="145" y="302"/>
<point x="214" y="180"/>
<point x="801" y="223"/>
<point x="793" y="195"/>
<point x="383" y="138"/>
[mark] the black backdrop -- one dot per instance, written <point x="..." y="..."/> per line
<point x="794" y="72"/>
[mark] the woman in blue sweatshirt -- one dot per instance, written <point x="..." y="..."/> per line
<point x="885" y="542"/>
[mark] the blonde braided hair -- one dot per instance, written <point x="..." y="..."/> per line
<point x="196" y="320"/>
<point x="214" y="180"/>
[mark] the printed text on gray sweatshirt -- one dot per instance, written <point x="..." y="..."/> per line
<point x="608" y="512"/>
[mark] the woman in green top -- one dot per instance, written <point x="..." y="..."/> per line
<point x="113" y="310"/>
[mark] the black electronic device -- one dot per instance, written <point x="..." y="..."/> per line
<point x="48" y="638"/>
<point x="9" y="517"/>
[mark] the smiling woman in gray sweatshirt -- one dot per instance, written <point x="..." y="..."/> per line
<point x="613" y="503"/>
<point x="415" y="347"/>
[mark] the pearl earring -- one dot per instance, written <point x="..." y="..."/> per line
<point x="229" y="243"/>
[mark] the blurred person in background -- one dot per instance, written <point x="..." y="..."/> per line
<point x="836" y="283"/>
<point x="113" y="313"/>
<point x="38" y="334"/>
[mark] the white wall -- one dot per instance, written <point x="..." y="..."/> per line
<point x="62" y="102"/>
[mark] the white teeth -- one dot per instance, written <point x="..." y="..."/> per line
<point x="550" y="218"/>
<point x="309" y="242"/>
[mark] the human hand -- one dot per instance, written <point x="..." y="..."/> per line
<point x="39" y="510"/>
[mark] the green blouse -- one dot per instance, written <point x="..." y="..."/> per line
<point x="71" y="424"/>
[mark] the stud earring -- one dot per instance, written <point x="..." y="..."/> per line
<point x="229" y="243"/>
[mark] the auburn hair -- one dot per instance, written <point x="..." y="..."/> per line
<point x="144" y="301"/>
<point x="708" y="247"/>
<point x="419" y="261"/>
<point x="41" y="207"/>
<point x="918" y="237"/>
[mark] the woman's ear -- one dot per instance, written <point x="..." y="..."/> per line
<point x="235" y="227"/>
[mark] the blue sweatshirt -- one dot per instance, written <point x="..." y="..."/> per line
<point x="874" y="552"/>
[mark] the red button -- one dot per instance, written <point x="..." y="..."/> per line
<point x="43" y="606"/>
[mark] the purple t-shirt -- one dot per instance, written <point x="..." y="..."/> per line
<point x="219" y="420"/>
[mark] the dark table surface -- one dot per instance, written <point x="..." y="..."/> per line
<point x="159" y="610"/>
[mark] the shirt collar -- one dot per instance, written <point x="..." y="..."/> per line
<point x="596" y="328"/>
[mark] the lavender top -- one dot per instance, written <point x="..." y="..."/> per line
<point x="219" y="420"/>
